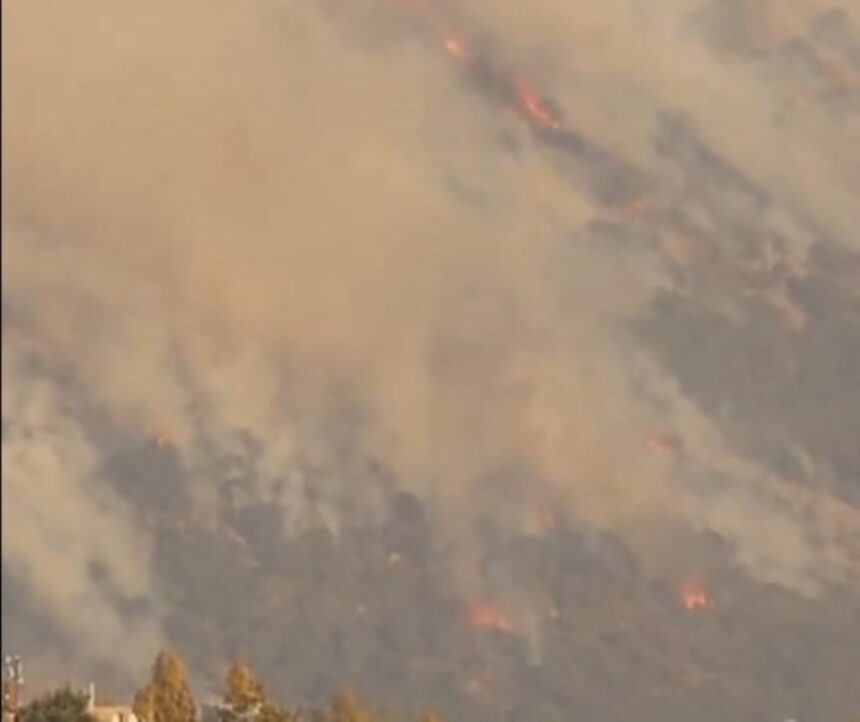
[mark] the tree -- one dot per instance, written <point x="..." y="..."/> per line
<point x="242" y="690"/>
<point x="167" y="697"/>
<point x="273" y="713"/>
<point x="144" y="703"/>
<point x="348" y="707"/>
<point x="431" y="717"/>
<point x="62" y="705"/>
<point x="245" y="698"/>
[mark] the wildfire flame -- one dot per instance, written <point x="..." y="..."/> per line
<point x="638" y="207"/>
<point x="695" y="597"/>
<point x="487" y="616"/>
<point x="164" y="440"/>
<point x="535" y="107"/>
<point x="546" y="519"/>
<point x="542" y="519"/>
<point x="663" y="444"/>
<point x="527" y="97"/>
<point x="455" y="47"/>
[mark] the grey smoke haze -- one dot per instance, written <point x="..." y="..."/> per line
<point x="282" y="235"/>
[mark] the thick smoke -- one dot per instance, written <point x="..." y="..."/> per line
<point x="79" y="553"/>
<point x="249" y="231"/>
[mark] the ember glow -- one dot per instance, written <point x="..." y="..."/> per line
<point x="544" y="519"/>
<point x="527" y="99"/>
<point x="164" y="440"/>
<point x="695" y="597"/>
<point x="486" y="616"/>
<point x="663" y="444"/>
<point x="455" y="47"/>
<point x="536" y="109"/>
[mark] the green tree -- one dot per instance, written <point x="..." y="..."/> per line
<point x="62" y="705"/>
<point x="167" y="697"/>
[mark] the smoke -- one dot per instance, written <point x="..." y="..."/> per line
<point x="630" y="62"/>
<point x="231" y="221"/>
<point x="77" y="551"/>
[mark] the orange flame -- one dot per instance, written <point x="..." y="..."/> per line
<point x="455" y="47"/>
<point x="639" y="207"/>
<point x="535" y="107"/>
<point x="453" y="44"/>
<point x="695" y="597"/>
<point x="547" y="519"/>
<point x="543" y="518"/>
<point x="486" y="616"/>
<point x="164" y="440"/>
<point x="662" y="444"/>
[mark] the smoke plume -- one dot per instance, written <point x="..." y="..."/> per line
<point x="286" y="236"/>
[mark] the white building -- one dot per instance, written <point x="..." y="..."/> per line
<point x="108" y="713"/>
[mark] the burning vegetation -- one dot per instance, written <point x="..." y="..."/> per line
<point x="537" y="109"/>
<point x="488" y="616"/>
<point x="695" y="597"/>
<point x="252" y="578"/>
<point x="164" y="440"/>
<point x="520" y="93"/>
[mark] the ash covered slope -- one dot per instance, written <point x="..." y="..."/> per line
<point x="456" y="389"/>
